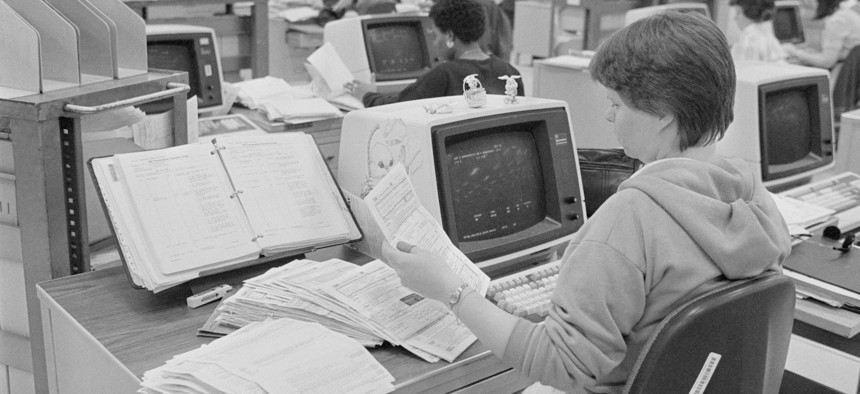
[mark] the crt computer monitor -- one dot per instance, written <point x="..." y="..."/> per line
<point x="787" y="24"/>
<point x="503" y="180"/>
<point x="782" y="122"/>
<point x="644" y="12"/>
<point x="395" y="48"/>
<point x="188" y="48"/>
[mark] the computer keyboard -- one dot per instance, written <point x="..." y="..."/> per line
<point x="526" y="293"/>
<point x="840" y="193"/>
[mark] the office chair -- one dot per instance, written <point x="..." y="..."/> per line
<point x="747" y="323"/>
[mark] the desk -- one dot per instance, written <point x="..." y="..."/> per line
<point x="101" y="335"/>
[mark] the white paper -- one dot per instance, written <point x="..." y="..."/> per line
<point x="401" y="217"/>
<point x="331" y="68"/>
<point x="274" y="356"/>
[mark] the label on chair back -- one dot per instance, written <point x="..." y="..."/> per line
<point x="705" y="374"/>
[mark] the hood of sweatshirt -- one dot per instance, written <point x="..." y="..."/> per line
<point x="725" y="209"/>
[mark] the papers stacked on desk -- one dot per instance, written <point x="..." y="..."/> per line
<point x="273" y="356"/>
<point x="366" y="303"/>
<point x="282" y="102"/>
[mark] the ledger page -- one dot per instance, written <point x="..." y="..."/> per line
<point x="400" y="216"/>
<point x="283" y="191"/>
<point x="181" y="198"/>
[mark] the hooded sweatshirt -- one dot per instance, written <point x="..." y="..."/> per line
<point x="675" y="229"/>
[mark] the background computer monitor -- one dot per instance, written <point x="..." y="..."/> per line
<point x="395" y="48"/>
<point x="503" y="180"/>
<point x="192" y="49"/>
<point x="783" y="122"/>
<point x="644" y="12"/>
<point x="787" y="24"/>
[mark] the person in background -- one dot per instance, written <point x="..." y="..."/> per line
<point x="460" y="25"/>
<point x="686" y="223"/>
<point x="756" y="40"/>
<point x="498" y="38"/>
<point x="841" y="33"/>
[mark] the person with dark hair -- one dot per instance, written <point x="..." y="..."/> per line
<point x="757" y="40"/>
<point x="841" y="33"/>
<point x="689" y="221"/>
<point x="459" y="27"/>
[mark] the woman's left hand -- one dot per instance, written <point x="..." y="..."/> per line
<point x="421" y="270"/>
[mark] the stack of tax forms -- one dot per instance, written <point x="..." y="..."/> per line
<point x="366" y="303"/>
<point x="273" y="356"/>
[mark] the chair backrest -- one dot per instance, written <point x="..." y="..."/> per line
<point x="733" y="339"/>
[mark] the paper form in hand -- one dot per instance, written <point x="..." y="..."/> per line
<point x="331" y="68"/>
<point x="395" y="208"/>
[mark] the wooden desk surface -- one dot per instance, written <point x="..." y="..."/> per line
<point x="142" y="330"/>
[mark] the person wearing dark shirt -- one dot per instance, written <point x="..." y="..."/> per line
<point x="460" y="25"/>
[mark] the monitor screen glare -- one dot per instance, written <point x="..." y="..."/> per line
<point x="497" y="184"/>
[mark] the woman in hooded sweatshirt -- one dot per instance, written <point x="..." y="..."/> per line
<point x="686" y="223"/>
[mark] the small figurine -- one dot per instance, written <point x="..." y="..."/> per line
<point x="510" y="88"/>
<point x="474" y="93"/>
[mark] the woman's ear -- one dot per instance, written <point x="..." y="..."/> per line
<point x="664" y="121"/>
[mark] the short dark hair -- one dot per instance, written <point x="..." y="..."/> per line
<point x="672" y="63"/>
<point x="756" y="10"/>
<point x="464" y="18"/>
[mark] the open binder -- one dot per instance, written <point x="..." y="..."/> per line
<point x="194" y="210"/>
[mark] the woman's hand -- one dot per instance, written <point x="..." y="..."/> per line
<point x="421" y="271"/>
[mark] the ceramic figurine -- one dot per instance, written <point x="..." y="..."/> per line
<point x="510" y="88"/>
<point x="474" y="93"/>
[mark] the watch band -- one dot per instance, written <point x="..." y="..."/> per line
<point x="454" y="297"/>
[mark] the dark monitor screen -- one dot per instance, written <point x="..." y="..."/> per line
<point x="787" y="26"/>
<point x="497" y="184"/>
<point x="397" y="50"/>
<point x="507" y="182"/>
<point x="178" y="56"/>
<point x="789" y="123"/>
<point x="796" y="127"/>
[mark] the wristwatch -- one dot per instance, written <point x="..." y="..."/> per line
<point x="454" y="297"/>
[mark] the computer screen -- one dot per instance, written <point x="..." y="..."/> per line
<point x="644" y="12"/>
<point x="787" y="24"/>
<point x="393" y="49"/>
<point x="502" y="180"/>
<point x="783" y="122"/>
<point x="191" y="49"/>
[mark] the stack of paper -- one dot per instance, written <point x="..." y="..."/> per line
<point x="366" y="303"/>
<point x="282" y="102"/>
<point x="273" y="356"/>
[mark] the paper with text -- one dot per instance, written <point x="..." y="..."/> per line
<point x="281" y="191"/>
<point x="167" y="186"/>
<point x="401" y="217"/>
